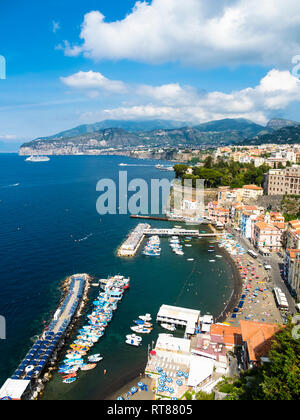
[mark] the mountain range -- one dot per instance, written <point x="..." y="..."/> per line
<point x="127" y="134"/>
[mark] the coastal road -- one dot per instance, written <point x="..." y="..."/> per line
<point x="276" y="263"/>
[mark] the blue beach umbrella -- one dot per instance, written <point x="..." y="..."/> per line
<point x="179" y="383"/>
<point x="140" y="384"/>
<point x="179" y="373"/>
<point x="134" y="390"/>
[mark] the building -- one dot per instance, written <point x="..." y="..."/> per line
<point x="267" y="236"/>
<point x="257" y="341"/>
<point x="292" y="270"/>
<point x="252" y="192"/>
<point x="181" y="317"/>
<point x="14" y="389"/>
<point x="293" y="234"/>
<point x="283" y="181"/>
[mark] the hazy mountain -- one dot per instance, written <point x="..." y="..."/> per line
<point x="240" y="125"/>
<point x="91" y="139"/>
<point x="130" y="126"/>
<point x="278" y="123"/>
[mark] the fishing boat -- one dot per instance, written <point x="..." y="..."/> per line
<point x="88" y="367"/>
<point x="191" y="259"/>
<point x="69" y="380"/>
<point x="168" y="327"/>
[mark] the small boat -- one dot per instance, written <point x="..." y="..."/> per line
<point x="95" y="358"/>
<point x="169" y="327"/>
<point x="191" y="259"/>
<point x="134" y="337"/>
<point x="69" y="380"/>
<point x="146" y="317"/>
<point x="88" y="367"/>
<point x="141" y="330"/>
<point x="143" y="323"/>
<point x="212" y="261"/>
<point x="134" y="343"/>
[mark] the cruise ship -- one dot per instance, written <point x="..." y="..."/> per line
<point x="37" y="159"/>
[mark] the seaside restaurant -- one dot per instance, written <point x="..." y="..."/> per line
<point x="180" y="317"/>
<point x="175" y="370"/>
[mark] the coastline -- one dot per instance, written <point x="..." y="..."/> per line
<point x="237" y="287"/>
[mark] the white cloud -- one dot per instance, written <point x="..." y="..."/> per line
<point x="198" y="32"/>
<point x="8" y="137"/>
<point x="55" y="26"/>
<point x="172" y="101"/>
<point x="91" y="81"/>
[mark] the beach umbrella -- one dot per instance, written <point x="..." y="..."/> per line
<point x="179" y="373"/>
<point x="173" y="398"/>
<point x="133" y="390"/>
<point x="140" y="384"/>
<point x="169" y="380"/>
<point x="153" y="353"/>
<point x="186" y="375"/>
<point x="120" y="399"/>
<point x="159" y="369"/>
<point x="179" y="383"/>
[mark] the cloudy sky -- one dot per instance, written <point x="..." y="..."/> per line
<point x="72" y="62"/>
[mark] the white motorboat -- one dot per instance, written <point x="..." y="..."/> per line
<point x="169" y="327"/>
<point x="134" y="337"/>
<point x="141" y="330"/>
<point x="134" y="343"/>
<point x="146" y="317"/>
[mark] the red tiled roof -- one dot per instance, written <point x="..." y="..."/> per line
<point x="230" y="335"/>
<point x="259" y="338"/>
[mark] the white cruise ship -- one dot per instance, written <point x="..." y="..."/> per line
<point x="37" y="159"/>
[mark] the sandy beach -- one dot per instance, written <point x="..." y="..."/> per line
<point x="141" y="395"/>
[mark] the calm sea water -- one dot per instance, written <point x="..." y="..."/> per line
<point x="44" y="209"/>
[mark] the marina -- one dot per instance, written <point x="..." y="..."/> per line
<point x="179" y="282"/>
<point x="104" y="307"/>
<point x="29" y="378"/>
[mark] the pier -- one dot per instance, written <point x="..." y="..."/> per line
<point x="133" y="242"/>
<point x="29" y="378"/>
<point x="181" y="232"/>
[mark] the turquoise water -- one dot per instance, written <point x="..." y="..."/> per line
<point x="53" y="206"/>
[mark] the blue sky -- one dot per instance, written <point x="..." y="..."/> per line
<point x="73" y="62"/>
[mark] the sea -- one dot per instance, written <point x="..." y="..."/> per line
<point x="50" y="229"/>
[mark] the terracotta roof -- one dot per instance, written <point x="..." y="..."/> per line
<point x="230" y="335"/>
<point x="293" y="252"/>
<point x="252" y="187"/>
<point x="266" y="226"/>
<point x="259" y="338"/>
